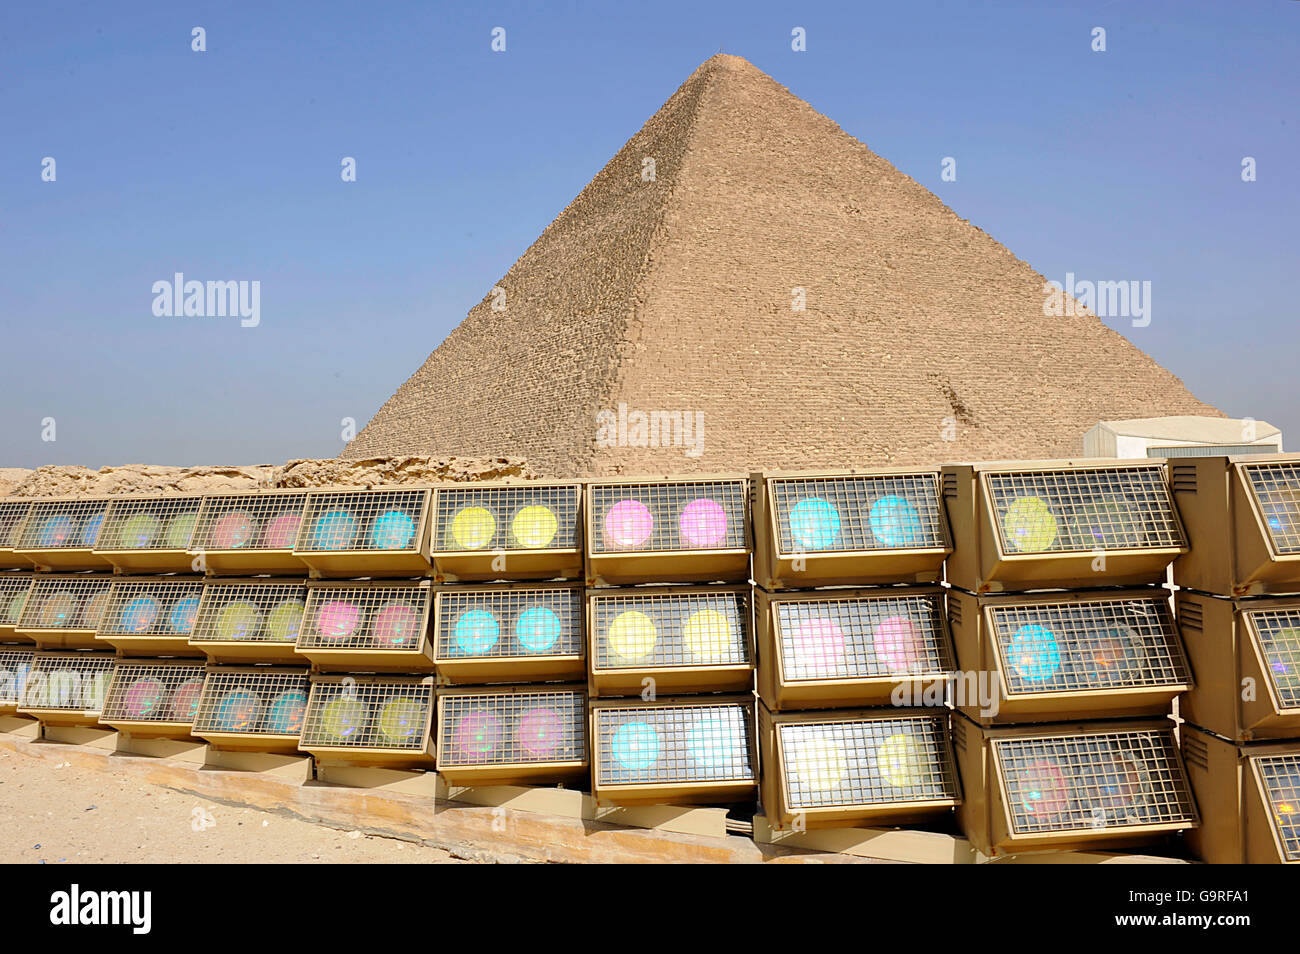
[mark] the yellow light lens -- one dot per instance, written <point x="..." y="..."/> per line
<point x="707" y="635"/>
<point x="473" y="527"/>
<point x="898" y="760"/>
<point x="631" y="635"/>
<point x="819" y="764"/>
<point x="534" y="527"/>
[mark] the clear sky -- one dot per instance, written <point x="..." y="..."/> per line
<point x="225" y="165"/>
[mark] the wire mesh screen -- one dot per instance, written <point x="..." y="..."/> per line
<point x="530" y="517"/>
<point x="72" y="681"/>
<point x="144" y="691"/>
<point x="149" y="523"/>
<point x="488" y="624"/>
<point x="1093" y="782"/>
<point x="365" y="617"/>
<point x="250" y="612"/>
<point x="15" y="664"/>
<point x="1059" y="511"/>
<point x="62" y="525"/>
<point x="1277" y="492"/>
<point x="252" y="703"/>
<point x="268" y="521"/>
<point x="64" y="602"/>
<point x="1279" y="642"/>
<point x="677" y="515"/>
<point x="12" y="513"/>
<point x="697" y="743"/>
<point x="370" y="520"/>
<point x="151" y="608"/>
<point x="1281" y="777"/>
<point x="1111" y="644"/>
<point x="862" y="638"/>
<point x="14" y="588"/>
<point x="867" y="762"/>
<point x="840" y="514"/>
<point x="368" y="713"/>
<point x="695" y="629"/>
<point x="511" y="728"/>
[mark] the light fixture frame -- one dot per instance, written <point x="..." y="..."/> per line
<point x="247" y="651"/>
<point x="15" y="580"/>
<point x="150" y="728"/>
<point x="50" y="715"/>
<point x="164" y="559"/>
<point x="248" y="561"/>
<point x="375" y="756"/>
<point x="420" y="659"/>
<point x="408" y="562"/>
<point x="60" y="559"/>
<point x="149" y="644"/>
<point x="13" y="516"/>
<point x="275" y="743"/>
<point x="56" y="638"/>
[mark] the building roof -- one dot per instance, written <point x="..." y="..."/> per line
<point x="1192" y="429"/>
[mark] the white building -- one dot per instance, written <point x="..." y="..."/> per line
<point x="1187" y="436"/>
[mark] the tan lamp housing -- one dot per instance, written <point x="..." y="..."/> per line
<point x="509" y="633"/>
<point x="1066" y="656"/>
<point x="153" y="698"/>
<point x="1246" y="656"/>
<point x="378" y="533"/>
<point x="1249" y="796"/>
<point x="676" y="639"/>
<point x="149" y="534"/>
<point x="844" y="767"/>
<point x="246" y="534"/>
<point x="368" y="627"/>
<point x="374" y="721"/>
<point x="252" y="621"/>
<point x="503" y="735"/>
<point x="668" y="531"/>
<point x="824" y="649"/>
<point x="1024" y="525"/>
<point x="1243" y="520"/>
<point x="252" y="708"/>
<point x="823" y="528"/>
<point x="683" y="750"/>
<point x="59" y="533"/>
<point x="67" y="688"/>
<point x="63" y="611"/>
<point x="152" y="617"/>
<point x="15" y="665"/>
<point x="13" y="514"/>
<point x="1066" y="786"/>
<point x="507" y="531"/>
<point x="15" y="587"/>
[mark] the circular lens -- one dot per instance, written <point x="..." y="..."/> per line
<point x="817" y="646"/>
<point x="477" y="735"/>
<point x="703" y="523"/>
<point x="1034" y="653"/>
<point x="185" y="700"/>
<point x="540" y="733"/>
<point x="393" y="530"/>
<point x="628" y="524"/>
<point x="285" y="717"/>
<point x="814" y="523"/>
<point x="537" y="629"/>
<point x="337" y="620"/>
<point x="899" y="645"/>
<point x="635" y="746"/>
<point x="707" y="635"/>
<point x="281" y="531"/>
<point x="144" y="698"/>
<point x="139" y="614"/>
<point x="1043" y="790"/>
<point x="239" y="620"/>
<point x="534" y="527"/>
<point x="397" y="625"/>
<point x="818" y="764"/>
<point x="1029" y="525"/>
<point x="58" y="611"/>
<point x="472" y="528"/>
<point x="895" y="523"/>
<point x="285" y="620"/>
<point x="898" y="760"/>
<point x="238" y="710"/>
<point x="343" y="718"/>
<point x="476" y="632"/>
<point x="631" y="635"/>
<point x="179" y="530"/>
<point x="712" y="742"/>
<point x="55" y="532"/>
<point x="233" y="530"/>
<point x="400" y="719"/>
<point x="1110" y="523"/>
<point x="333" y="530"/>
<point x="183" y="614"/>
<point x="138" y="531"/>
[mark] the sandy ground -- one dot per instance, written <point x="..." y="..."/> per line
<point x="53" y="813"/>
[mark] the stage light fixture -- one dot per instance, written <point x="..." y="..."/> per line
<point x="507" y="531"/>
<point x="13" y="514"/>
<point x="512" y="734"/>
<point x="15" y="586"/>
<point x="241" y="534"/>
<point x="383" y="721"/>
<point x="64" y="611"/>
<point x="60" y="533"/>
<point x="153" y="698"/>
<point x="152" y="616"/>
<point x="67" y="688"/>
<point x="368" y="627"/>
<point x="257" y="708"/>
<point x="250" y="621"/>
<point x="15" y="665"/>
<point x="377" y="533"/>
<point x="509" y="633"/>
<point x="149" y="534"/>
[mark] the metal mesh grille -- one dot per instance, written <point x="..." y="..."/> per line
<point x="1277" y="492"/>
<point x="512" y="728"/>
<point x="867" y="762"/>
<point x="72" y="681"/>
<point x="151" y="608"/>
<point x="862" y="638"/>
<point x="62" y="525"/>
<point x="12" y="513"/>
<point x="704" y="743"/>
<point x="63" y="602"/>
<point x="1281" y="777"/>
<point x="1116" y="644"/>
<point x="683" y="515"/>
<point x="249" y="521"/>
<point x="372" y="520"/>
<point x="15" y="664"/>
<point x="656" y="630"/>
<point x="368" y="713"/>
<point x="504" y="623"/>
<point x="1279" y="641"/>
<point x="365" y="617"/>
<point x="250" y="612"/>
<point x="839" y="514"/>
<point x="149" y="523"/>
<point x="1093" y="782"/>
<point x="533" y="517"/>
<point x="14" y="588"/>
<point x="1124" y="508"/>
<point x="252" y="703"/>
<point x="149" y="692"/>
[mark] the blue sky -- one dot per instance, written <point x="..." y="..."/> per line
<point x="226" y="165"/>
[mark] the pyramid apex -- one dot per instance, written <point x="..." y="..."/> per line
<point x="727" y="61"/>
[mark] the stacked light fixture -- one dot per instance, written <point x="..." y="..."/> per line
<point x="1238" y="609"/>
<point x="853" y="649"/>
<point x="1069" y="657"/>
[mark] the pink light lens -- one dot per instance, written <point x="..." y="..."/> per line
<point x="628" y="524"/>
<point x="703" y="523"/>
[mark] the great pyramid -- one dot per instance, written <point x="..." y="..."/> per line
<point x="672" y="287"/>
